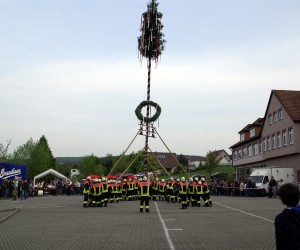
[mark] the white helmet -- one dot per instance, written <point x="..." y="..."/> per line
<point x="182" y="178"/>
<point x="163" y="180"/>
<point x="199" y="182"/>
<point x="145" y="178"/>
<point x="140" y="179"/>
<point x="172" y="179"/>
<point x="178" y="180"/>
<point x="89" y="177"/>
<point x="130" y="179"/>
<point x="196" y="179"/>
<point x="191" y="179"/>
<point x="202" y="179"/>
<point x="157" y="179"/>
<point x="124" y="180"/>
<point x="119" y="182"/>
<point x="103" y="179"/>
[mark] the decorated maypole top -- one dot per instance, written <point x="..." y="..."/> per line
<point x="150" y="45"/>
<point x="151" y="42"/>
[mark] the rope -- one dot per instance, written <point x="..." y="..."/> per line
<point x="172" y="154"/>
<point x="129" y="166"/>
<point x="160" y="163"/>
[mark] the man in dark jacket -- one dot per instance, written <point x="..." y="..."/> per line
<point x="287" y="223"/>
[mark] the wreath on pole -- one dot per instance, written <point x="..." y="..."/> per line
<point x="139" y="115"/>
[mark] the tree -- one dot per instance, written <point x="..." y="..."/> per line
<point x="106" y="162"/>
<point x="4" y="155"/>
<point x="41" y="158"/>
<point x="22" y="154"/>
<point x="183" y="160"/>
<point x="90" y="165"/>
<point x="211" y="162"/>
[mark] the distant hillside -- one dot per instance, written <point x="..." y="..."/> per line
<point x="64" y="160"/>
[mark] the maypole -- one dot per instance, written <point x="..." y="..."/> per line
<point x="150" y="45"/>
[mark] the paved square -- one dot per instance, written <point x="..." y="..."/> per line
<point x="61" y="222"/>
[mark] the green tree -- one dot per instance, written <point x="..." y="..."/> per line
<point x="4" y="155"/>
<point x="183" y="160"/>
<point x="23" y="153"/>
<point x="211" y="162"/>
<point x="90" y="165"/>
<point x="107" y="162"/>
<point x="41" y="158"/>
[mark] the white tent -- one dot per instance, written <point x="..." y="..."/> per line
<point x="49" y="171"/>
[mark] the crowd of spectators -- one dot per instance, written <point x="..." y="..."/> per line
<point x="233" y="187"/>
<point x="18" y="188"/>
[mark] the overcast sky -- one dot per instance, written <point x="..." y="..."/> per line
<point x="69" y="70"/>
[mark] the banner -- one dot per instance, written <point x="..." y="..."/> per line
<point x="10" y="171"/>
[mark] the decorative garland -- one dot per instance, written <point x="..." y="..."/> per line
<point x="139" y="115"/>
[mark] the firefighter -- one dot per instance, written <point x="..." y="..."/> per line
<point x="144" y="188"/>
<point x="170" y="190"/>
<point x="86" y="191"/>
<point x="206" y="193"/>
<point x="199" y="193"/>
<point x="130" y="189"/>
<point x="113" y="191"/>
<point x="124" y="189"/>
<point x="176" y="189"/>
<point x="191" y="193"/>
<point x="119" y="191"/>
<point x="135" y="188"/>
<point x="104" y="191"/>
<point x="183" y="189"/>
<point x="162" y="190"/>
<point x="154" y="189"/>
<point x="96" y="193"/>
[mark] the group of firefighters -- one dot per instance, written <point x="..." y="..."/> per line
<point x="100" y="192"/>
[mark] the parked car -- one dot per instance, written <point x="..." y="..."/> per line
<point x="219" y="175"/>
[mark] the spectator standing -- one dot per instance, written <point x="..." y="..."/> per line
<point x="272" y="188"/>
<point x="287" y="223"/>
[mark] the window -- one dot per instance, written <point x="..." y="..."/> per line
<point x="265" y="144"/>
<point x="280" y="116"/>
<point x="252" y="132"/>
<point x="235" y="155"/>
<point x="291" y="135"/>
<point x="249" y="151"/>
<point x="284" y="139"/>
<point x="260" y="147"/>
<point x="269" y="142"/>
<point x="275" y="116"/>
<point x="274" y="141"/>
<point x="255" y="149"/>
<point x="240" y="154"/>
<point x="278" y="140"/>
<point x="270" y="119"/>
<point x="242" y="137"/>
<point x="244" y="152"/>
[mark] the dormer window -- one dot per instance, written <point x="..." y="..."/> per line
<point x="242" y="137"/>
<point x="252" y="132"/>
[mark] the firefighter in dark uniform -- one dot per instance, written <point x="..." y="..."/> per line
<point x="144" y="188"/>
<point x="104" y="191"/>
<point x="96" y="191"/>
<point x="199" y="193"/>
<point x="124" y="189"/>
<point x="191" y="193"/>
<point x="183" y="189"/>
<point x="206" y="193"/>
<point x="170" y="190"/>
<point x="86" y="191"/>
<point x="162" y="190"/>
<point x="154" y="189"/>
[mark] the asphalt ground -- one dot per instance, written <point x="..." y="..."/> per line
<point x="61" y="222"/>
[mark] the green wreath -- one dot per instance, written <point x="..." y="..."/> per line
<point x="139" y="115"/>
